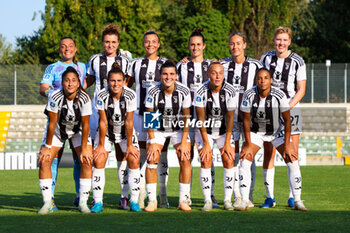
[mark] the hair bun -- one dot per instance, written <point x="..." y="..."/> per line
<point x="116" y="66"/>
<point x="200" y="30"/>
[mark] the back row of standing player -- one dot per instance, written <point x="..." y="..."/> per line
<point x="287" y="68"/>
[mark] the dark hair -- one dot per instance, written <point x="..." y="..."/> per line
<point x="197" y="32"/>
<point x="261" y="69"/>
<point x="151" y="32"/>
<point x="116" y="69"/>
<point x="213" y="62"/>
<point x="111" y="29"/>
<point x="68" y="37"/>
<point x="238" y="34"/>
<point x="74" y="71"/>
<point x="168" y="64"/>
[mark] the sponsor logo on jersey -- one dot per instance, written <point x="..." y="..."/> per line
<point x="161" y="101"/>
<point x="103" y="64"/>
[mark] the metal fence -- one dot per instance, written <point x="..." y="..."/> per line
<point x="19" y="84"/>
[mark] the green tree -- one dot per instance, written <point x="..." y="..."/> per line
<point x="6" y="52"/>
<point x="322" y="31"/>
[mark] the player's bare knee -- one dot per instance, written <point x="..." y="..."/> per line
<point x="133" y="163"/>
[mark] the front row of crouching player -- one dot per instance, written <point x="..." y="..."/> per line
<point x="69" y="110"/>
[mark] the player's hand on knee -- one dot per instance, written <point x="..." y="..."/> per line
<point x="229" y="151"/>
<point x="205" y="153"/>
<point x="152" y="152"/>
<point x="289" y="153"/>
<point x="44" y="155"/>
<point x="86" y="157"/>
<point x="184" y="150"/>
<point x="132" y="151"/>
<point x="100" y="150"/>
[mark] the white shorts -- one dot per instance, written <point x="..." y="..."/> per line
<point x="296" y="120"/>
<point x="138" y="125"/>
<point x="175" y="137"/>
<point x="276" y="140"/>
<point x="71" y="146"/>
<point x="75" y="139"/>
<point x="219" y="140"/>
<point x="123" y="143"/>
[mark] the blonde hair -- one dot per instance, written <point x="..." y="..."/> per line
<point x="280" y="30"/>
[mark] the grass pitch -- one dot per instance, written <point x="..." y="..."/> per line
<point x="326" y="191"/>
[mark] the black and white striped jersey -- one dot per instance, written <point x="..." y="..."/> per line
<point x="193" y="74"/>
<point x="216" y="104"/>
<point x="170" y="106"/>
<point x="100" y="65"/>
<point x="146" y="73"/>
<point x="116" y="111"/>
<point x="69" y="112"/>
<point x="241" y="76"/>
<point x="286" y="72"/>
<point x="265" y="113"/>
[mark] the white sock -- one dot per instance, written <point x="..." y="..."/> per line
<point x="205" y="178"/>
<point x="189" y="194"/>
<point x="162" y="172"/>
<point x="290" y="187"/>
<point x="252" y="184"/>
<point x="269" y="181"/>
<point x="123" y="178"/>
<point x="152" y="191"/>
<point x="245" y="178"/>
<point x="228" y="183"/>
<point x="85" y="187"/>
<point x="295" y="179"/>
<point x="46" y="187"/>
<point x="134" y="184"/>
<point x="236" y="190"/>
<point x="212" y="178"/>
<point x="143" y="162"/>
<point x="184" y="191"/>
<point x="98" y="184"/>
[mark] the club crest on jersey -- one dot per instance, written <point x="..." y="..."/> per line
<point x="199" y="99"/>
<point x="175" y="99"/>
<point x="75" y="106"/>
<point x="149" y="100"/>
<point x="205" y="67"/>
<point x="287" y="65"/>
<point x="99" y="102"/>
<point x="158" y="66"/>
<point x="245" y="70"/>
<point x="122" y="104"/>
<point x="268" y="103"/>
<point x="222" y="98"/>
<point x="52" y="104"/>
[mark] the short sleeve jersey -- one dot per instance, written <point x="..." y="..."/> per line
<point x="146" y="73"/>
<point x="286" y="72"/>
<point x="53" y="73"/>
<point x="100" y="65"/>
<point x="240" y="76"/>
<point x="69" y="112"/>
<point x="265" y="113"/>
<point x="116" y="111"/>
<point x="170" y="106"/>
<point x="216" y="105"/>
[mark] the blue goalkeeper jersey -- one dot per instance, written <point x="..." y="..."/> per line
<point x="53" y="73"/>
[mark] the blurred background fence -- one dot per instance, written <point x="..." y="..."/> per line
<point x="19" y="84"/>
